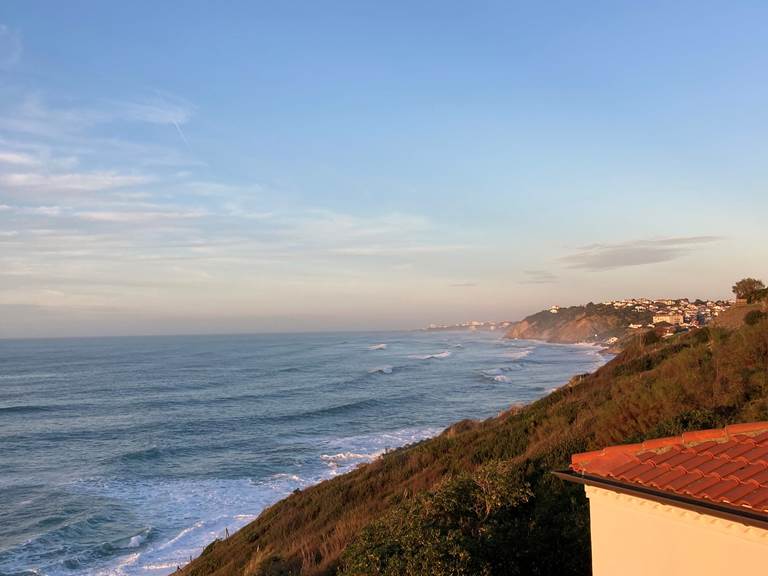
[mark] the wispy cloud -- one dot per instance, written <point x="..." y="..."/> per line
<point x="538" y="277"/>
<point x="10" y="47"/>
<point x="68" y="182"/>
<point x="635" y="253"/>
<point x="140" y="216"/>
<point x="463" y="285"/>
<point x="41" y="210"/>
<point x="160" y="108"/>
<point x="18" y="159"/>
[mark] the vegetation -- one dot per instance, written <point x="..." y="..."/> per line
<point x="589" y="323"/>
<point x="480" y="498"/>
<point x="753" y="317"/>
<point x="748" y="288"/>
<point x="758" y="296"/>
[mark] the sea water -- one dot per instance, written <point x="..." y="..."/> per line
<point x="128" y="455"/>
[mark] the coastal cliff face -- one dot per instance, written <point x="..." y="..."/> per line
<point x="480" y="498"/>
<point x="590" y="323"/>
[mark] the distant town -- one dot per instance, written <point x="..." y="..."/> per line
<point x="671" y="314"/>
<point x="681" y="312"/>
<point x="472" y="325"/>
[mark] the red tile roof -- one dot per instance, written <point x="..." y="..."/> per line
<point x="725" y="466"/>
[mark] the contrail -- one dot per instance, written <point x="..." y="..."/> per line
<point x="181" y="134"/>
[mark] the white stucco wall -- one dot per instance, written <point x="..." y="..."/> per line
<point x="638" y="537"/>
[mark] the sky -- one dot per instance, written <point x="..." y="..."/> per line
<point x="244" y="166"/>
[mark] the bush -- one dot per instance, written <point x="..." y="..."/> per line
<point x="753" y="317"/>
<point x="651" y="337"/>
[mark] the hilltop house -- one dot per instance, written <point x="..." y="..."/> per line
<point x="690" y="504"/>
<point x="673" y="319"/>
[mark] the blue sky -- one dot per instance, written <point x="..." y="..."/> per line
<point x="248" y="166"/>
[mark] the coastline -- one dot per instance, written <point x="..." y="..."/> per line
<point x="448" y="429"/>
<point x="248" y="428"/>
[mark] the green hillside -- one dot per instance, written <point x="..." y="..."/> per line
<point x="480" y="499"/>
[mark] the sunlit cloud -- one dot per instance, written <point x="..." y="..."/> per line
<point x="635" y="253"/>
<point x="538" y="277"/>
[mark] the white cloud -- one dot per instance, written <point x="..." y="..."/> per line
<point x="42" y="210"/>
<point x="139" y="216"/>
<point x="70" y="182"/>
<point x="4" y="207"/>
<point x="18" y="159"/>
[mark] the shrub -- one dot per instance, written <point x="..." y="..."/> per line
<point x="753" y="317"/>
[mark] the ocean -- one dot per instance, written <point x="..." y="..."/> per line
<point x="126" y="456"/>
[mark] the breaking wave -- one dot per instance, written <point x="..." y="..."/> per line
<point x="438" y="355"/>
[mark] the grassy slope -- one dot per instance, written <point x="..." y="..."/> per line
<point x="705" y="379"/>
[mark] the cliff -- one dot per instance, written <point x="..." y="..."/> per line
<point x="479" y="498"/>
<point x="590" y="323"/>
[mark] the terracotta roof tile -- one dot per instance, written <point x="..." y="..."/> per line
<point x="744" y="427"/>
<point x="718" y="449"/>
<point x="757" y="454"/>
<point x="741" y="490"/>
<point x="649" y="475"/>
<point x="719" y="488"/>
<point x="728" y="468"/>
<point x="728" y="465"/>
<point x="702" y="435"/>
<point x="739" y="449"/>
<point x="713" y="465"/>
<point x="755" y="500"/>
<point x="683" y="481"/>
<point x="703" y="447"/>
<point x="761" y="438"/>
<point x="682" y="458"/>
<point x="697" y="461"/>
<point x="697" y="488"/>
<point x="635" y="471"/>
<point x="659" y="457"/>
<point x="669" y="476"/>
<point x="748" y="471"/>
<point x="761" y="478"/>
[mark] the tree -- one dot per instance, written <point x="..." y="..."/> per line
<point x="747" y="287"/>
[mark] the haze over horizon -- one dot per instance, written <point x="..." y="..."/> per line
<point x="253" y="167"/>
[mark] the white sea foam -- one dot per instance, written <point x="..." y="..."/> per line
<point x="378" y="347"/>
<point x="139" y="539"/>
<point x="224" y="505"/>
<point x="338" y="463"/>
<point x="518" y="354"/>
<point x="496" y="374"/>
<point x="438" y="355"/>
